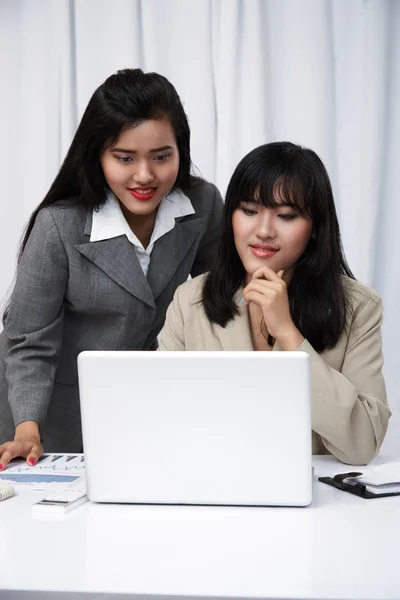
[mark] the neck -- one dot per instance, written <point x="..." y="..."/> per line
<point x="141" y="225"/>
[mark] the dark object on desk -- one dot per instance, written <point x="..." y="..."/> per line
<point x="358" y="489"/>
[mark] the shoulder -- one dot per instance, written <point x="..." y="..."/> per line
<point x="365" y="310"/>
<point x="189" y="294"/>
<point x="65" y="216"/>
<point x="202" y="193"/>
<point x="66" y="210"/>
<point x="359" y="295"/>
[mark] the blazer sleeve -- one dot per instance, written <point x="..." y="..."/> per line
<point x="208" y="246"/>
<point x="172" y="336"/>
<point x="349" y="408"/>
<point x="34" y="322"/>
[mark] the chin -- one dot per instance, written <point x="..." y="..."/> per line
<point x="145" y="210"/>
<point x="252" y="267"/>
<point x="140" y="207"/>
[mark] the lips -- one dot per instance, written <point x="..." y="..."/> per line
<point x="263" y="250"/>
<point x="142" y="193"/>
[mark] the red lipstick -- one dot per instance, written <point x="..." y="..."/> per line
<point x="142" y="193"/>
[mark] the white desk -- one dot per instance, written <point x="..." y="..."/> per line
<point x="340" y="547"/>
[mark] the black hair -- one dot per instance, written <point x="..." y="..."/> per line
<point x="271" y="174"/>
<point x="124" y="100"/>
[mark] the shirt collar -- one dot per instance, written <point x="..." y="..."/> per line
<point x="108" y="221"/>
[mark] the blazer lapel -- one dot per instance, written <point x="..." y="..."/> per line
<point x="236" y="335"/>
<point x="169" y="251"/>
<point x="117" y="258"/>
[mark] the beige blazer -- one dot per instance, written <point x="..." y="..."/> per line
<point x="349" y="408"/>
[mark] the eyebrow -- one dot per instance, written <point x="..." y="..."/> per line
<point x="257" y="202"/>
<point x="250" y="201"/>
<point x="160" y="149"/>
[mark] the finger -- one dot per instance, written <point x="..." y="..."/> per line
<point x="34" y="455"/>
<point x="280" y="274"/>
<point x="272" y="285"/>
<point x="260" y="273"/>
<point x="268" y="293"/>
<point x="263" y="286"/>
<point x="256" y="297"/>
<point x="266" y="273"/>
<point x="7" y="456"/>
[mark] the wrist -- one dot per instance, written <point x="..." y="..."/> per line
<point x="291" y="340"/>
<point x="27" y="430"/>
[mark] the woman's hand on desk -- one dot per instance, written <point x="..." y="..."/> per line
<point x="26" y="444"/>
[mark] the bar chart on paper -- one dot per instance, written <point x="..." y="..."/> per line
<point x="52" y="472"/>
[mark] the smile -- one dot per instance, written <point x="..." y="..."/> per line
<point x="263" y="251"/>
<point x="142" y="193"/>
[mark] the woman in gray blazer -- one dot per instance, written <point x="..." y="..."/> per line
<point x="123" y="224"/>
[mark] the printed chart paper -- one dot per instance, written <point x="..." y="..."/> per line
<point x="52" y="472"/>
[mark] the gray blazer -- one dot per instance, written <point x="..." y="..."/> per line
<point x="72" y="295"/>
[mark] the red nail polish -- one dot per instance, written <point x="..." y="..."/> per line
<point x="31" y="461"/>
<point x="1" y="466"/>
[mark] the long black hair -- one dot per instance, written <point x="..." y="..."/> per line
<point x="124" y="100"/>
<point x="318" y="299"/>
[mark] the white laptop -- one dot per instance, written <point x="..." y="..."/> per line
<point x="215" y="428"/>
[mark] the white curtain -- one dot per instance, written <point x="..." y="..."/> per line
<point x="323" y="73"/>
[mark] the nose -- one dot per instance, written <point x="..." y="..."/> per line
<point x="265" y="226"/>
<point x="142" y="174"/>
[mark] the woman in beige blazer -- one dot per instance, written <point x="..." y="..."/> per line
<point x="280" y="282"/>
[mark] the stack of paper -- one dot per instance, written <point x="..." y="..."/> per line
<point x="52" y="472"/>
<point x="380" y="479"/>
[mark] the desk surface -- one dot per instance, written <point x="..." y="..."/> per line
<point x="339" y="547"/>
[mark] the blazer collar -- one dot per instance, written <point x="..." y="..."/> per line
<point x="170" y="250"/>
<point x="117" y="258"/>
<point x="109" y="221"/>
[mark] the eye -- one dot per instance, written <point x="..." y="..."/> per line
<point x="286" y="217"/>
<point x="124" y="159"/>
<point x="248" y="211"/>
<point x="161" y="157"/>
